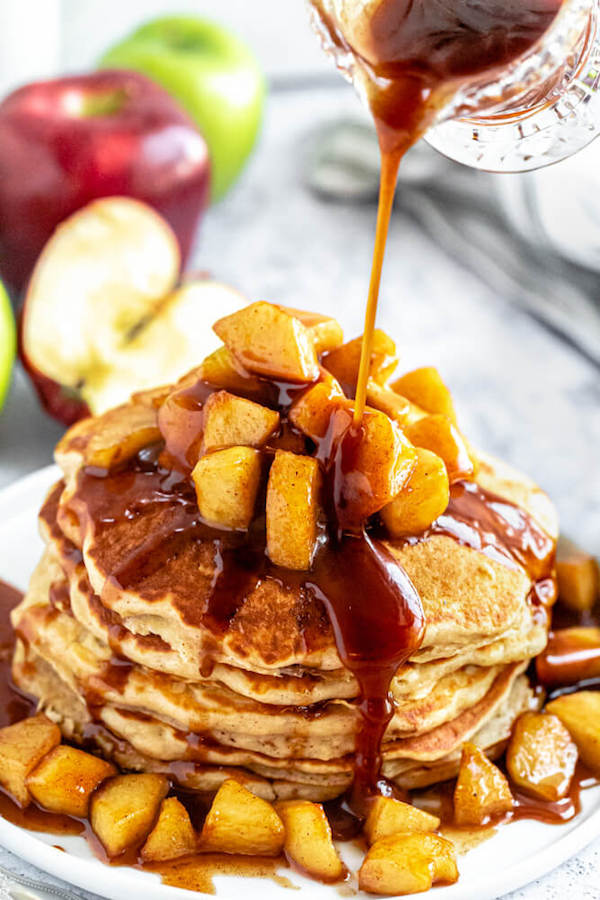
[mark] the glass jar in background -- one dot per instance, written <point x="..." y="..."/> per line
<point x="539" y="109"/>
<point x="543" y="108"/>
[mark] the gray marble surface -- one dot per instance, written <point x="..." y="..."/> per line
<point x="522" y="392"/>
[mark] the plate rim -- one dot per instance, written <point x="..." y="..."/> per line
<point x="115" y="881"/>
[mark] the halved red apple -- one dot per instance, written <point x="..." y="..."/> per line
<point x="103" y="314"/>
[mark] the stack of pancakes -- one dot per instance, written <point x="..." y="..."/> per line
<point x="132" y="667"/>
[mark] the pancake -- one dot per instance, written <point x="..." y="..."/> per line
<point x="469" y="598"/>
<point x="292" y="685"/>
<point x="123" y="644"/>
<point x="209" y="708"/>
<point x="126" y="738"/>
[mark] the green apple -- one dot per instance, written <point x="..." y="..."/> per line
<point x="214" y="76"/>
<point x="8" y="343"/>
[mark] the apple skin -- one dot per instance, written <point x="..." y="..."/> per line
<point x="7" y="343"/>
<point x="70" y="140"/>
<point x="214" y="76"/>
<point x="58" y="403"/>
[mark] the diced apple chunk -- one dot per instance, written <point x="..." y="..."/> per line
<point x="227" y="483"/>
<point x="423" y="498"/>
<point x="571" y="655"/>
<point x="120" y="435"/>
<point x="22" y="746"/>
<point x="270" y="342"/>
<point x="311" y="412"/>
<point x="382" y="462"/>
<point x="65" y="779"/>
<point x="293" y="508"/>
<point x="220" y="370"/>
<point x="240" y="822"/>
<point x="425" y="387"/>
<point x="308" y="840"/>
<point x="110" y="440"/>
<point x="326" y="332"/>
<point x="580" y="714"/>
<point x="231" y="421"/>
<point x="482" y="792"/>
<point x="578" y="576"/>
<point x="388" y="816"/>
<point x="393" y="405"/>
<point x="344" y="361"/>
<point x="541" y="756"/>
<point x="123" y="810"/>
<point x="408" y="864"/>
<point x="438" y="434"/>
<point x="152" y="397"/>
<point x="172" y="836"/>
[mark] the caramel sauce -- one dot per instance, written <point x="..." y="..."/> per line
<point x="409" y="58"/>
<point x="197" y="873"/>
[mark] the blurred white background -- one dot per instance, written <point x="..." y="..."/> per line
<point x="38" y="38"/>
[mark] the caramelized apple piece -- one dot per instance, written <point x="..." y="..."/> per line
<point x="344" y="362"/>
<point x="578" y="576"/>
<point x="240" y="822"/>
<point x="231" y="421"/>
<point x="326" y="332"/>
<point x="227" y="483"/>
<point x="311" y="412"/>
<point x="111" y="439"/>
<point x="408" y="864"/>
<point x="123" y="810"/>
<point x="181" y="427"/>
<point x="124" y="432"/>
<point x="65" y="779"/>
<point x="308" y="840"/>
<point x="172" y="836"/>
<point x="481" y="791"/>
<point x="541" y="756"/>
<point x="423" y="498"/>
<point x="425" y="387"/>
<point x="438" y="434"/>
<point x="22" y="746"/>
<point x="393" y="405"/>
<point x="269" y="342"/>
<point x="388" y="816"/>
<point x="383" y="460"/>
<point x="580" y="714"/>
<point x="221" y="370"/>
<point x="293" y="507"/>
<point x="571" y="655"/>
<point x="152" y="397"/>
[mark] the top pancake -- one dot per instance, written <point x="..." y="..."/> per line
<point x="471" y="598"/>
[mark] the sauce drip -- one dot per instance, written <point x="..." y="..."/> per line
<point x="373" y="590"/>
<point x="408" y="57"/>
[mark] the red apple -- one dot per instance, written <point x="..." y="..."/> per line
<point x="104" y="314"/>
<point x="71" y="140"/>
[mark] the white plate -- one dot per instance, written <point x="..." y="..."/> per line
<point x="513" y="857"/>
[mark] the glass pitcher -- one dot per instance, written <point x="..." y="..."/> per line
<point x="542" y="108"/>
